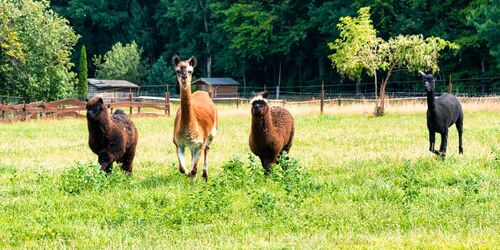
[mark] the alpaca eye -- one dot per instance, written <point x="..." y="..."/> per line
<point x="190" y="71"/>
<point x="177" y="71"/>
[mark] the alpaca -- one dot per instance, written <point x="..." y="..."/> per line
<point x="272" y="130"/>
<point x="442" y="113"/>
<point x="196" y="121"/>
<point x="112" y="138"/>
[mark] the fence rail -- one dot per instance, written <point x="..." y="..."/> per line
<point x="74" y="108"/>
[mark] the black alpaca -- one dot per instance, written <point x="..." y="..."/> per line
<point x="442" y="113"/>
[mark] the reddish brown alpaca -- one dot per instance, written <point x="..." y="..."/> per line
<point x="272" y="131"/>
<point x="196" y="121"/>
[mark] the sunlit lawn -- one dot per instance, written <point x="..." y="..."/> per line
<point x="361" y="180"/>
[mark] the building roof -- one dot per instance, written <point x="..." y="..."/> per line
<point x="217" y="81"/>
<point x="99" y="83"/>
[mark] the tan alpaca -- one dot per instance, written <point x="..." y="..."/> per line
<point x="196" y="121"/>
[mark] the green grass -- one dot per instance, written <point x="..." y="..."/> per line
<point x="353" y="180"/>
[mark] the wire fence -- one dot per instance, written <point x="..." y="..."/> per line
<point x="474" y="87"/>
<point x="471" y="87"/>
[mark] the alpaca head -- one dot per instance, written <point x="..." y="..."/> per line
<point x="260" y="107"/>
<point x="184" y="70"/>
<point x="95" y="108"/>
<point x="429" y="81"/>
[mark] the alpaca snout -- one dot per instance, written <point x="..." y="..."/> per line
<point x="90" y="114"/>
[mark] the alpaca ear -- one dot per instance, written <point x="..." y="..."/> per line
<point x="100" y="101"/>
<point x="253" y="93"/>
<point x="175" y="60"/>
<point x="265" y="94"/>
<point x="193" y="61"/>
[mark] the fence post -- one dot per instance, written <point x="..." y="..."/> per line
<point x="111" y="107"/>
<point x="43" y="114"/>
<point x="167" y="103"/>
<point x="322" y="97"/>
<point x="3" y="111"/>
<point x="139" y="107"/>
<point x="25" y="113"/>
<point x="237" y="101"/>
<point x="450" y="86"/>
<point x="131" y="99"/>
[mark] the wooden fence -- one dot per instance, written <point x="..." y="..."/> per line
<point x="76" y="108"/>
<point x="73" y="108"/>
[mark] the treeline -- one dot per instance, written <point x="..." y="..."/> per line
<point x="263" y="42"/>
<point x="250" y="40"/>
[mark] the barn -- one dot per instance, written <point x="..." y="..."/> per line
<point x="111" y="89"/>
<point x="218" y="87"/>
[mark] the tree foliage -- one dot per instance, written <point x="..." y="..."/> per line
<point x="160" y="74"/>
<point x="36" y="47"/>
<point x="82" y="88"/>
<point x="487" y="22"/>
<point x="249" y="40"/>
<point x="358" y="49"/>
<point x="357" y="45"/>
<point x="121" y="62"/>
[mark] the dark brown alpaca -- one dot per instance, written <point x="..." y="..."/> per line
<point x="112" y="138"/>
<point x="272" y="130"/>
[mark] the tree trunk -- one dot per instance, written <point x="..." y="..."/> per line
<point x="381" y="107"/>
<point x="244" y="81"/>
<point x="279" y="83"/>
<point x="321" y="68"/>
<point x="209" y="66"/>
<point x="357" y="86"/>
<point x="204" y="8"/>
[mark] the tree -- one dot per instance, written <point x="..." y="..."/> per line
<point x="82" y="89"/>
<point x="36" y="47"/>
<point x="121" y="62"/>
<point x="487" y="23"/>
<point x="410" y="53"/>
<point x="359" y="49"/>
<point x="160" y="74"/>
<point x="356" y="49"/>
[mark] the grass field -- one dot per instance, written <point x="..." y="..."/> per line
<point x="353" y="181"/>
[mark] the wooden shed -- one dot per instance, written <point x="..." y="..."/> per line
<point x="218" y="87"/>
<point x="111" y="89"/>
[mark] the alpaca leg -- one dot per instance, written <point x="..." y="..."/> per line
<point x="105" y="159"/>
<point x="180" y="156"/>
<point x="460" y="124"/>
<point x="444" y="143"/>
<point x="127" y="162"/>
<point x="266" y="164"/>
<point x="195" y="157"/>
<point x="290" y="140"/>
<point x="432" y="142"/>
<point x="205" y="163"/>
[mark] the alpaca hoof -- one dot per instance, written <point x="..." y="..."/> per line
<point x="443" y="156"/>
<point x="192" y="174"/>
<point x="461" y="151"/>
<point x="205" y="175"/>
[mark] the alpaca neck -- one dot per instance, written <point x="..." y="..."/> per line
<point x="186" y="112"/>
<point x="431" y="99"/>
<point x="263" y="124"/>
